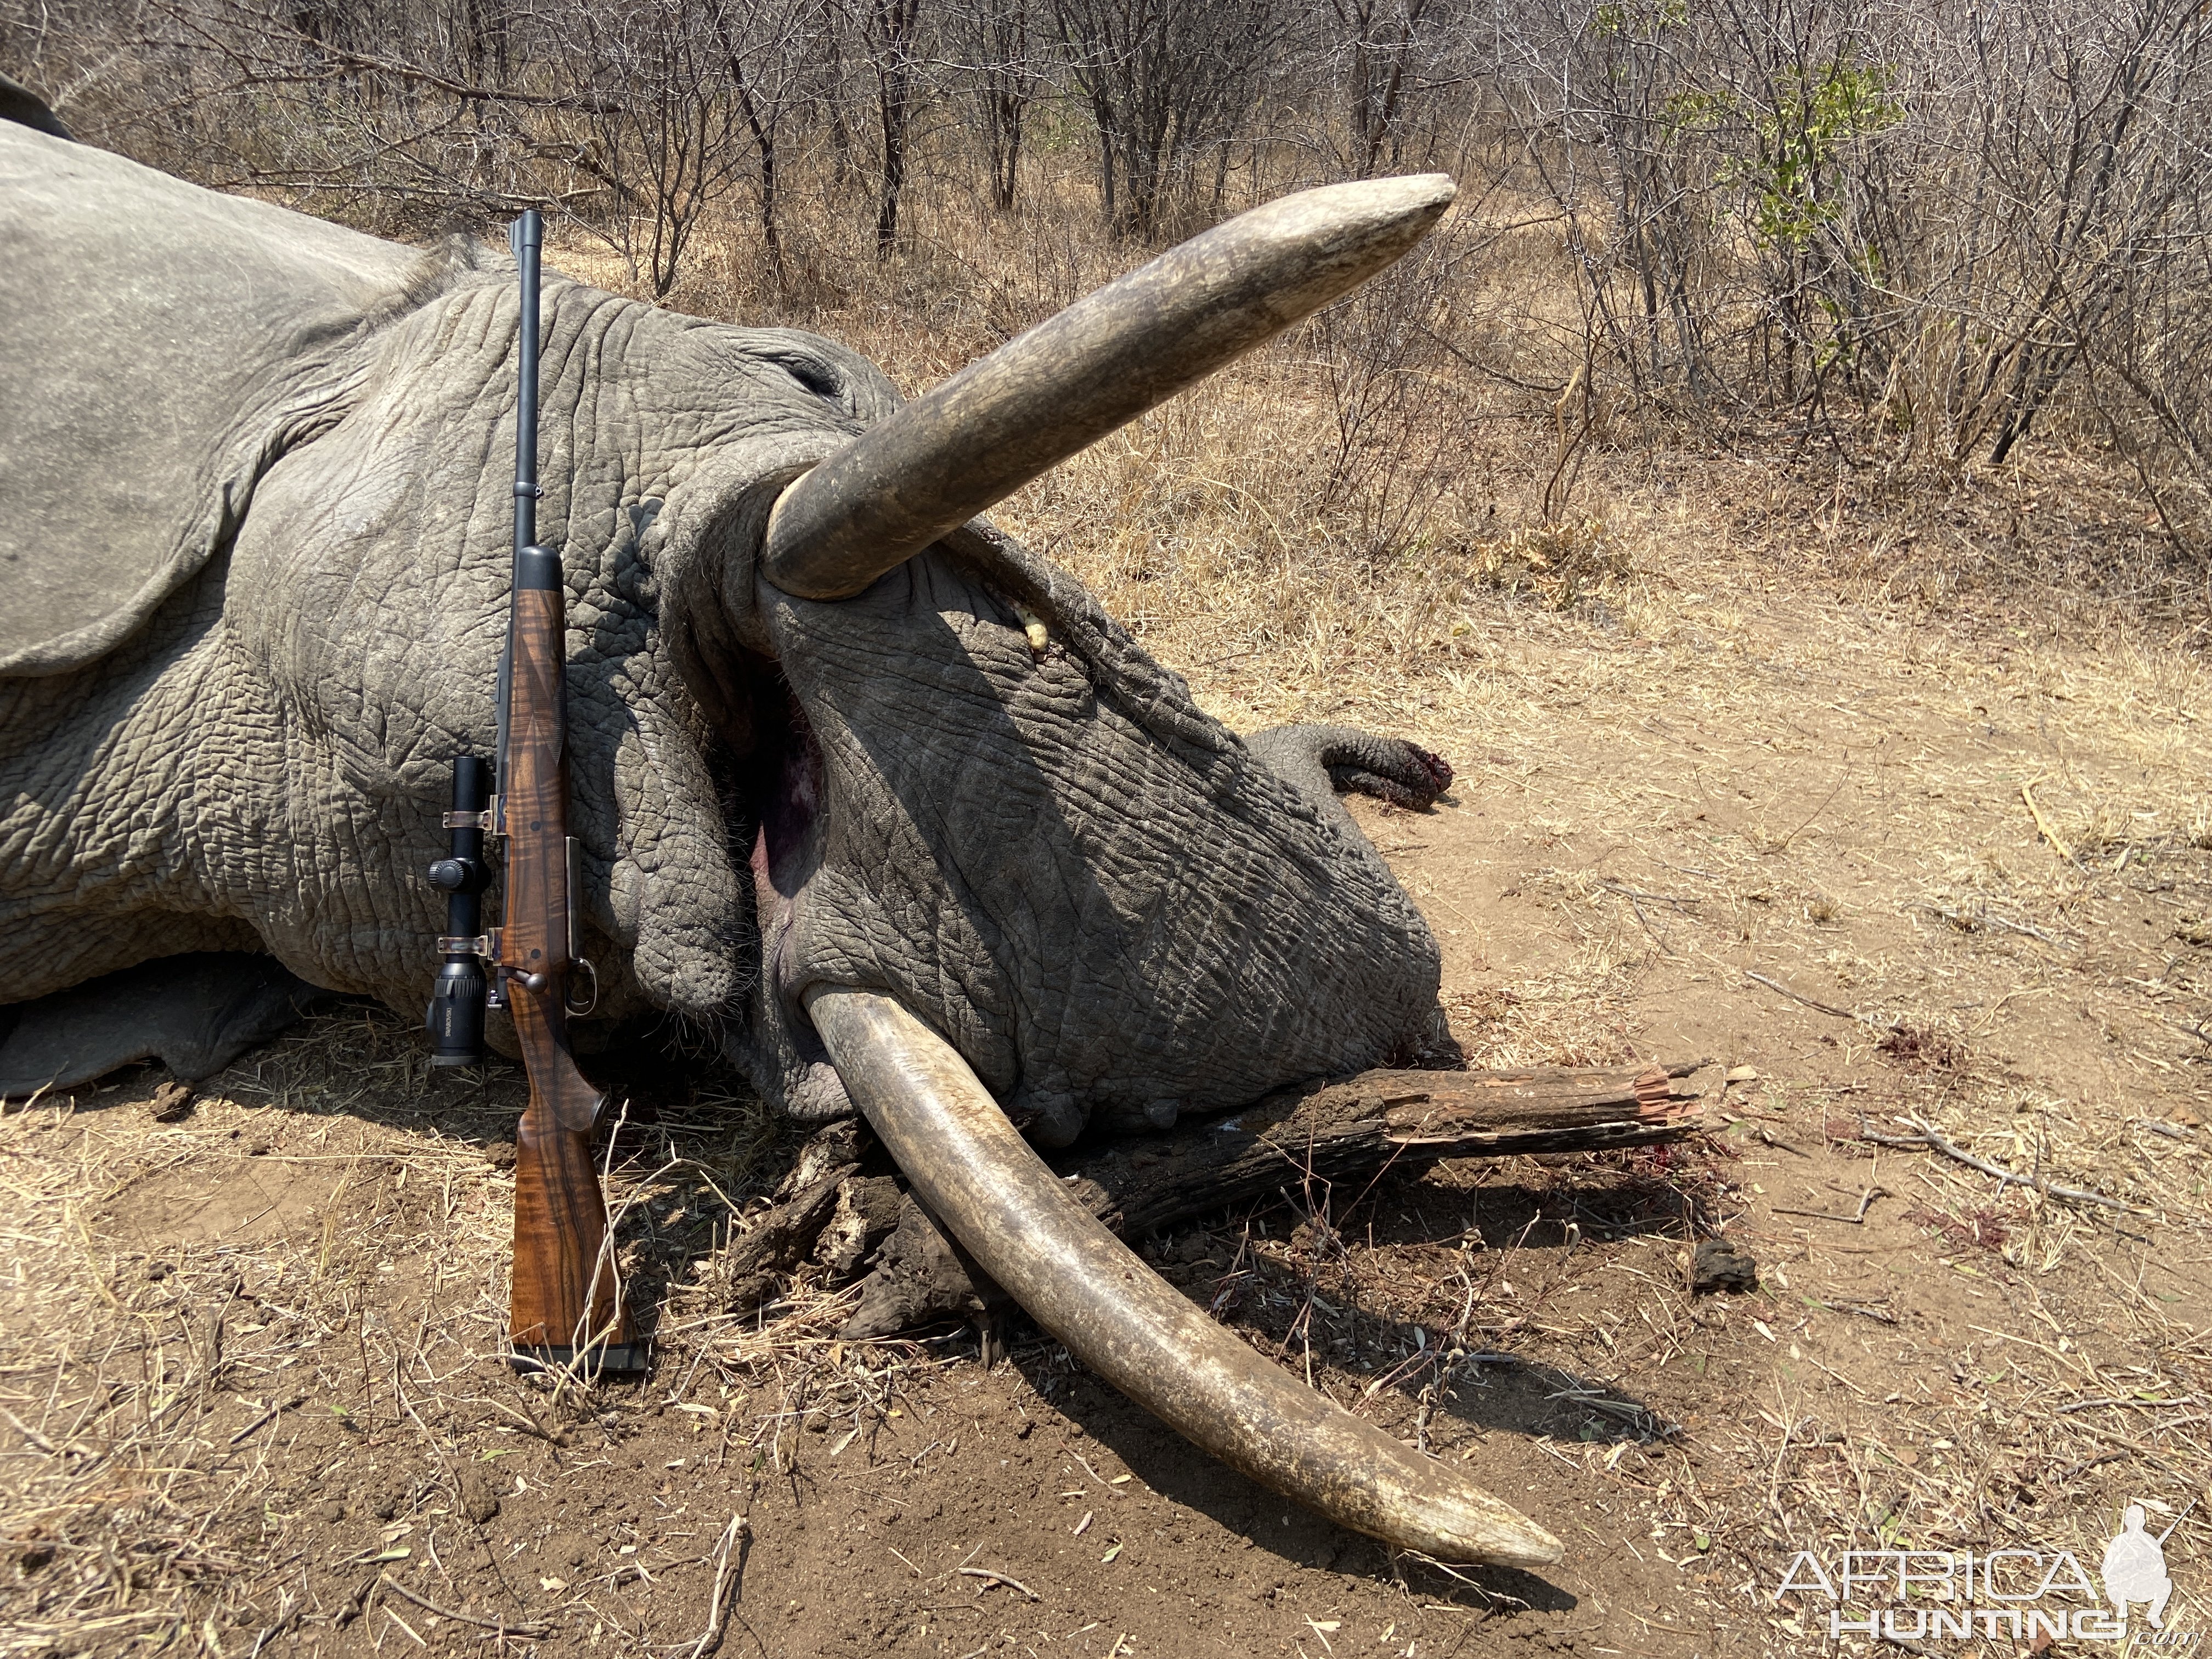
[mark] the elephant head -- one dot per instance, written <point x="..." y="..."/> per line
<point x="879" y="799"/>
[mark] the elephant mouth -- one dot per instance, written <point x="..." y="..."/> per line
<point x="915" y="477"/>
<point x="783" y="791"/>
<point x="966" y="1161"/>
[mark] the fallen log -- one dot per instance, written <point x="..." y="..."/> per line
<point x="756" y="1262"/>
<point x="752" y="1266"/>
<point x="1329" y="1133"/>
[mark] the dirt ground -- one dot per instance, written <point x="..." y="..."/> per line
<point x="1893" y="870"/>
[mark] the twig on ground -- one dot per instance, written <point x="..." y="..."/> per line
<point x="991" y="1577"/>
<point x="2044" y="826"/>
<point x="1623" y="891"/>
<point x="1856" y="1220"/>
<point x="528" y="1629"/>
<point x="2009" y="924"/>
<point x="1818" y="1007"/>
<point x="38" y="1441"/>
<point x="285" y="1620"/>
<point x="1873" y="1310"/>
<point x="1934" y="1142"/>
<point x="2191" y="1028"/>
<point x="712" y="1638"/>
<point x="2084" y="1467"/>
<point x="281" y="1406"/>
<point x="393" y="1614"/>
<point x="1968" y="920"/>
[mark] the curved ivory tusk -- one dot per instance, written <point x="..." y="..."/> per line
<point x="941" y="459"/>
<point x="977" y="1175"/>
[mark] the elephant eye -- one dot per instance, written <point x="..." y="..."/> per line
<point x="821" y="379"/>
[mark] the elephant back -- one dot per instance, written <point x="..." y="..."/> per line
<point x="160" y="345"/>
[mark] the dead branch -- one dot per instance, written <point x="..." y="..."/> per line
<point x="529" y="1630"/>
<point x="1934" y="1142"/>
<point x="1329" y="1132"/>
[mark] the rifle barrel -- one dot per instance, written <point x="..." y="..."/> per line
<point x="525" y="237"/>
<point x="528" y="237"/>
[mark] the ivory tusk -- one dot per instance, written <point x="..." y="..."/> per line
<point x="937" y="462"/>
<point x="977" y="1175"/>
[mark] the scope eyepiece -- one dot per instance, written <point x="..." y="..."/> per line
<point x="456" y="1016"/>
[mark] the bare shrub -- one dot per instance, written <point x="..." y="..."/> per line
<point x="1167" y="82"/>
<point x="1915" y="233"/>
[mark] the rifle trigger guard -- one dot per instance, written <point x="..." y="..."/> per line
<point x="569" y="992"/>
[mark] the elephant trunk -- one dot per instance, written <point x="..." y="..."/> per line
<point x="940" y="460"/>
<point x="980" y="1178"/>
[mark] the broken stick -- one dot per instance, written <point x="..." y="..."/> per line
<point x="1329" y="1133"/>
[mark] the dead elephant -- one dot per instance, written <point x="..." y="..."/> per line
<point x="865" y="787"/>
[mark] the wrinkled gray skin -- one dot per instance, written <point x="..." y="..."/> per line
<point x="255" y="519"/>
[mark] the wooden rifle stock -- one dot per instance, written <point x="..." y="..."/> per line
<point x="566" y="1301"/>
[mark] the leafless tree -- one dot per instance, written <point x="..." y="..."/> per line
<point x="1380" y="46"/>
<point x="1164" y="80"/>
<point x="665" y="138"/>
<point x="887" y="31"/>
<point x="2092" y="180"/>
<point x="1593" y="99"/>
<point x="1003" y="62"/>
<point x="767" y="49"/>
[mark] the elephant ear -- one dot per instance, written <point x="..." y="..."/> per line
<point x="160" y="346"/>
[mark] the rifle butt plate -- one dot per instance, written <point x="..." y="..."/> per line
<point x="615" y="1360"/>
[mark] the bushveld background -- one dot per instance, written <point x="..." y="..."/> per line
<point x="1780" y="488"/>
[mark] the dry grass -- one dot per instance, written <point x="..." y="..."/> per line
<point x="1721" y="714"/>
<point x="323" y="1239"/>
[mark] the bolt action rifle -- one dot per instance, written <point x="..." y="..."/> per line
<point x="566" y="1305"/>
